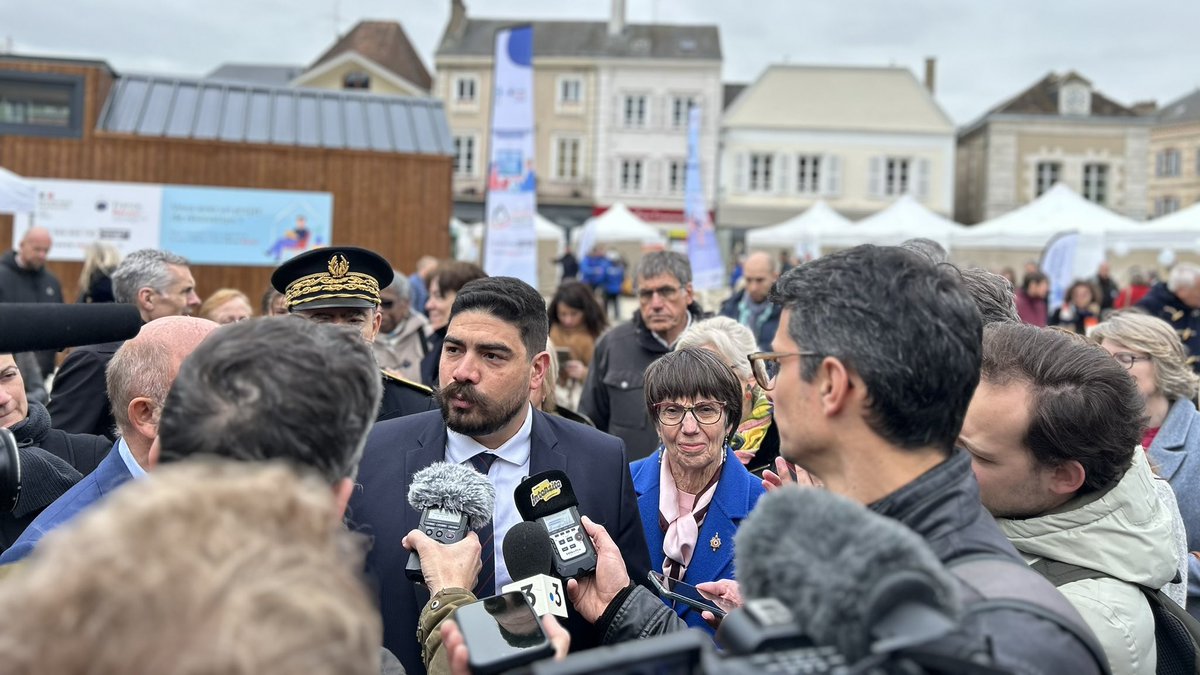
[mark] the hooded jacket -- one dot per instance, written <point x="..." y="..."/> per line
<point x="1125" y="532"/>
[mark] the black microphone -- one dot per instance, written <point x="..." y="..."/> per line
<point x="529" y="556"/>
<point x="852" y="578"/>
<point x="548" y="498"/>
<point x="36" y="327"/>
<point x="453" y="499"/>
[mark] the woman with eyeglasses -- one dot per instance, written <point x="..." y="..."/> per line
<point x="1150" y="349"/>
<point x="693" y="492"/>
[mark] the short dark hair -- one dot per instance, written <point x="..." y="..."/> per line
<point x="692" y="372"/>
<point x="1031" y="279"/>
<point x="656" y="263"/>
<point x="993" y="295"/>
<point x="452" y="275"/>
<point x="277" y="388"/>
<point x="1085" y="406"/>
<point x="512" y="301"/>
<point x="903" y="323"/>
<point x="577" y="296"/>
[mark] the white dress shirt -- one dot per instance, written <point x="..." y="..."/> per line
<point x="510" y="468"/>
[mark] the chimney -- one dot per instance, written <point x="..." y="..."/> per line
<point x="1145" y="108"/>
<point x="931" y="74"/>
<point x="616" y="22"/>
<point x="458" y="18"/>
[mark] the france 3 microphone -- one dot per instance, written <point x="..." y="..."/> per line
<point x="452" y="499"/>
<point x="547" y="498"/>
<point x="529" y="556"/>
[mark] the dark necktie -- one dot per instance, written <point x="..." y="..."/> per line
<point x="485" y="587"/>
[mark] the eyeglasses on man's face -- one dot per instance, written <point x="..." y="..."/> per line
<point x="671" y="414"/>
<point x="766" y="366"/>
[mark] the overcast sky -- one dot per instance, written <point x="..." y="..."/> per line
<point x="987" y="50"/>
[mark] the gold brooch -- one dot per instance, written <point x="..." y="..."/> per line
<point x="715" y="542"/>
<point x="338" y="266"/>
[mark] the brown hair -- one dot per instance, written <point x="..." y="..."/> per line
<point x="220" y="297"/>
<point x="452" y="275"/>
<point x="212" y="567"/>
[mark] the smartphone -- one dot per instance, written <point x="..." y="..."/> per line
<point x="501" y="633"/>
<point x="689" y="595"/>
<point x="564" y="355"/>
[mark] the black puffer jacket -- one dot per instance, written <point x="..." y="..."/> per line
<point x="943" y="507"/>
<point x="52" y="461"/>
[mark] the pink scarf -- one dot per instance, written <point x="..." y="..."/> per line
<point x="680" y="515"/>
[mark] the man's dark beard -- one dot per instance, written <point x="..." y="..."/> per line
<point x="493" y="415"/>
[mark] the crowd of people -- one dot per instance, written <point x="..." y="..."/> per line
<point x="226" y="492"/>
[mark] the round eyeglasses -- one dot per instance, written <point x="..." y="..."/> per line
<point x="1127" y="359"/>
<point x="671" y="414"/>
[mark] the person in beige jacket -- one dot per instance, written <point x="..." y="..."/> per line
<point x="1052" y="430"/>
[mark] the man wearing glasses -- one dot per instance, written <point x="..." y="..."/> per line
<point x="613" y="395"/>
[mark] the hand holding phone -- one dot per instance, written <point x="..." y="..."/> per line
<point x="678" y="591"/>
<point x="501" y="633"/>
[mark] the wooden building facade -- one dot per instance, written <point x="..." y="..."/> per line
<point x="391" y="191"/>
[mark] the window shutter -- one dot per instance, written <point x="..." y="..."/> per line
<point x="619" y="108"/>
<point x="741" y="172"/>
<point x="614" y="176"/>
<point x="781" y="174"/>
<point x="875" y="177"/>
<point x="922" y="179"/>
<point x="650" y="176"/>
<point x="831" y="175"/>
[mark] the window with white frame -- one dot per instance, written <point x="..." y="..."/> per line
<point x="566" y="159"/>
<point x="466" y="89"/>
<point x="570" y="92"/>
<point x="1095" y="182"/>
<point x="634" y="111"/>
<point x="1166" y="163"/>
<point x="464" y="155"/>
<point x="631" y="175"/>
<point x="680" y="106"/>
<point x="761" y="168"/>
<point x="895" y="175"/>
<point x="677" y="176"/>
<point x="808" y="174"/>
<point x="1165" y="205"/>
<point x="1047" y="176"/>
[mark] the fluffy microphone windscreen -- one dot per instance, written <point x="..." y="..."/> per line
<point x="527" y="550"/>
<point x="454" y="487"/>
<point x="35" y="327"/>
<point x="543" y="494"/>
<point x="824" y="557"/>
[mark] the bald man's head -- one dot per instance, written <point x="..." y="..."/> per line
<point x="141" y="372"/>
<point x="34" y="248"/>
<point x="760" y="271"/>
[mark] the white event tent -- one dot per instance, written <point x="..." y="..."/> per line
<point x="1179" y="230"/>
<point x="17" y="195"/>
<point x="905" y="219"/>
<point x="1031" y="226"/>
<point x="800" y="229"/>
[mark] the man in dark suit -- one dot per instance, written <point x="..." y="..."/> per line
<point x="159" y="284"/>
<point x="493" y="357"/>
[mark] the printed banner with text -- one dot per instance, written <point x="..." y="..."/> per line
<point x="510" y="240"/>
<point x="708" y="272"/>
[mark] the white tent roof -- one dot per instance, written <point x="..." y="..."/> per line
<point x="618" y="224"/>
<point x="17" y="195"/>
<point x="547" y="230"/>
<point x="905" y="219"/>
<point x="817" y="218"/>
<point x="1179" y="230"/>
<point x="1031" y="226"/>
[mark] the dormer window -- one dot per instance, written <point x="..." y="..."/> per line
<point x="1075" y="98"/>
<point x="356" y="79"/>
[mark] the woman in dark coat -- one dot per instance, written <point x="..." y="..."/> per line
<point x="51" y="460"/>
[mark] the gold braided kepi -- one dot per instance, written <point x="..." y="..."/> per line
<point x="343" y="276"/>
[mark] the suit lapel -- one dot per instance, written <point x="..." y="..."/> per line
<point x="544" y="453"/>
<point x="430" y="448"/>
<point x="646" y="487"/>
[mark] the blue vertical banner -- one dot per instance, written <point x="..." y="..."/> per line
<point x="708" y="272"/>
<point x="510" y="240"/>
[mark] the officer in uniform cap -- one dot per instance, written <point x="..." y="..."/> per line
<point x="340" y="284"/>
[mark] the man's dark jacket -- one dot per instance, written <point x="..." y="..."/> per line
<point x="397" y="449"/>
<point x="1167" y="306"/>
<point x="613" y="395"/>
<point x="401" y="397"/>
<point x="944" y="508"/>
<point x="765" y="332"/>
<point x="22" y="285"/>
<point x="79" y="399"/>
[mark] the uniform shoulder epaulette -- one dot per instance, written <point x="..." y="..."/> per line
<point x="415" y="386"/>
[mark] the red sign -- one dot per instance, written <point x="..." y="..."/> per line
<point x="653" y="216"/>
